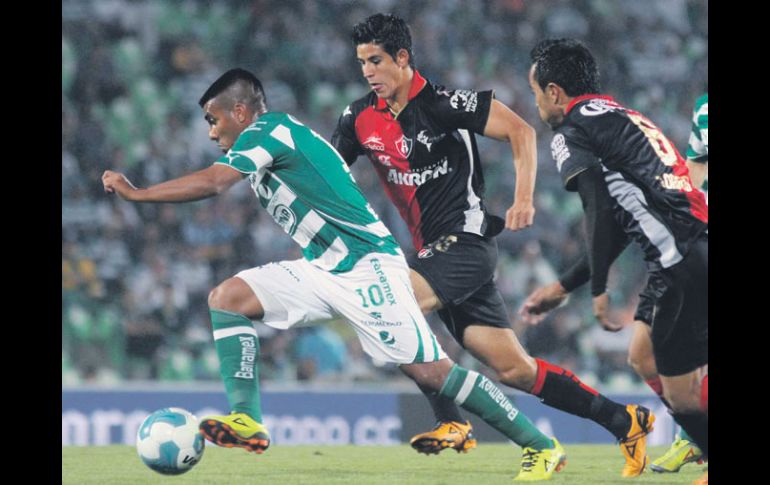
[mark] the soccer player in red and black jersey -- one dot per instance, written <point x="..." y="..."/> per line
<point x="634" y="185"/>
<point x="420" y="138"/>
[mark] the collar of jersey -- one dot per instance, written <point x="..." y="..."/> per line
<point x="418" y="82"/>
<point x="584" y="97"/>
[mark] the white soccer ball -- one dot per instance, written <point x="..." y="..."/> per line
<point x="168" y="441"/>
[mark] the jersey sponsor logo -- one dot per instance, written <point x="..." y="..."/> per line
<point x="285" y="217"/>
<point x="675" y="182"/>
<point x="383" y="280"/>
<point x="385" y="160"/>
<point x="464" y="99"/>
<point x="375" y="143"/>
<point x="248" y="357"/>
<point x="425" y="253"/>
<point x="404" y="146"/>
<point x="428" y="140"/>
<point x="497" y="395"/>
<point x="596" y="107"/>
<point x="418" y="178"/>
<point x="559" y="150"/>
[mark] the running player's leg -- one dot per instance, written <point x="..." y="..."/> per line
<point x="264" y="293"/>
<point x="499" y="349"/>
<point x="680" y="341"/>
<point x="400" y="334"/>
<point x="451" y="429"/>
<point x="640" y="357"/>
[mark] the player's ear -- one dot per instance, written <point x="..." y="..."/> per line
<point x="240" y="112"/>
<point x="554" y="92"/>
<point x="402" y="58"/>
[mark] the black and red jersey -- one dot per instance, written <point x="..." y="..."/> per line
<point x="647" y="178"/>
<point x="426" y="157"/>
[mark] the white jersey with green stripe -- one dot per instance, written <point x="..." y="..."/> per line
<point x="698" y="145"/>
<point x="309" y="191"/>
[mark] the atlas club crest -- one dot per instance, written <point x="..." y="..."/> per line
<point x="404" y="146"/>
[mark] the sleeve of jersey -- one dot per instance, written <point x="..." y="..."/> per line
<point x="344" y="139"/>
<point x="571" y="151"/>
<point x="250" y="152"/>
<point x="605" y="238"/>
<point x="463" y="109"/>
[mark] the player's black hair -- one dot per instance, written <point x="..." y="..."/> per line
<point x="238" y="86"/>
<point x="387" y="30"/>
<point x="567" y="63"/>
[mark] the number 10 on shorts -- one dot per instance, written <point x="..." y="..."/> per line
<point x="375" y="295"/>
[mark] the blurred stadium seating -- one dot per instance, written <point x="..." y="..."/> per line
<point x="135" y="278"/>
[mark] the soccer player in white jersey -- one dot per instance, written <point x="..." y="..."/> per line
<point x="351" y="267"/>
<point x="698" y="146"/>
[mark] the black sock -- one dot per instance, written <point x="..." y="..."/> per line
<point x="697" y="426"/>
<point x="561" y="389"/>
<point x="444" y="408"/>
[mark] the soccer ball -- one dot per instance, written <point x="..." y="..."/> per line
<point x="168" y="441"/>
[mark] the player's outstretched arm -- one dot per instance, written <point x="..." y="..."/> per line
<point x="198" y="185"/>
<point x="504" y="124"/>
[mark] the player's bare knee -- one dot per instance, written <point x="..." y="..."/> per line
<point x="429" y="375"/>
<point x="222" y="298"/>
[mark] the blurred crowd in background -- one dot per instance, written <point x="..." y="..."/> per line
<point x="135" y="278"/>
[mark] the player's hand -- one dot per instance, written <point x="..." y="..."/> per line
<point x="520" y="215"/>
<point x="601" y="305"/>
<point x="541" y="301"/>
<point x="116" y="182"/>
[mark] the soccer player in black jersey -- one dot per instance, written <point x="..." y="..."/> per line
<point x="633" y="184"/>
<point x="420" y="138"/>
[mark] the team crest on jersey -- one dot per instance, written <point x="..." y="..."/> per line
<point x="425" y="253"/>
<point x="404" y="146"/>
<point x="286" y="218"/>
<point x="375" y="143"/>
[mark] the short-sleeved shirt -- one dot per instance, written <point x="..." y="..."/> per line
<point x="426" y="157"/>
<point x="653" y="198"/>
<point x="309" y="191"/>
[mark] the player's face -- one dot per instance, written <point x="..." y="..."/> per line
<point x="385" y="75"/>
<point x="549" y="111"/>
<point x="224" y="127"/>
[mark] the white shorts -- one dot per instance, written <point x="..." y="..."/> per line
<point x="375" y="297"/>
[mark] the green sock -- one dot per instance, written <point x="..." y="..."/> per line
<point x="237" y="346"/>
<point x="482" y="397"/>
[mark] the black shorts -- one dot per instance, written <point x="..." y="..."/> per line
<point x="460" y="268"/>
<point x="646" y="307"/>
<point x="681" y="319"/>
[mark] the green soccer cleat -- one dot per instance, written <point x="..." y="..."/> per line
<point x="678" y="455"/>
<point x="236" y="430"/>
<point x="541" y="465"/>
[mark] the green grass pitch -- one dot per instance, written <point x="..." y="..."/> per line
<point x="395" y="465"/>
